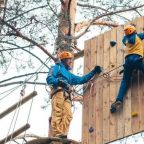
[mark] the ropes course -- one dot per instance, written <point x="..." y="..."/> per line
<point x="17" y="110"/>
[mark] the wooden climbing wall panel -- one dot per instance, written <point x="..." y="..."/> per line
<point x="99" y="125"/>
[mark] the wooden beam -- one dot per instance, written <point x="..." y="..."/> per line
<point x="13" y="107"/>
<point x="14" y="134"/>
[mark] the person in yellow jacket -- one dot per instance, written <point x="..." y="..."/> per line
<point x="61" y="79"/>
<point x="133" y="60"/>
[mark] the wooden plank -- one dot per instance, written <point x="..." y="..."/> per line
<point x="92" y="97"/>
<point x="86" y="95"/>
<point x="134" y="94"/>
<point x="99" y="93"/>
<point x="141" y="86"/>
<point x="113" y="85"/>
<point x="14" y="106"/>
<point x="15" y="133"/>
<point x="127" y="113"/>
<point x="120" y="59"/>
<point x="127" y="110"/>
<point x="52" y="140"/>
<point x="106" y="89"/>
<point x="88" y="105"/>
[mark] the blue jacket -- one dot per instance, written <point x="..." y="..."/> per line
<point x="134" y="44"/>
<point x="60" y="71"/>
<point x="131" y="38"/>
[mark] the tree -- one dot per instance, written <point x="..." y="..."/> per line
<point x="33" y="28"/>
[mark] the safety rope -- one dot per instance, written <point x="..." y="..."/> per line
<point x="31" y="104"/>
<point x="22" y="92"/>
<point x="16" y="113"/>
<point x="18" y="105"/>
<point x="105" y="75"/>
<point x="11" y="90"/>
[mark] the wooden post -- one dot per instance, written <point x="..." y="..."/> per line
<point x="13" y="107"/>
<point x="14" y="134"/>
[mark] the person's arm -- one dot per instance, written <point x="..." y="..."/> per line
<point x="141" y="35"/>
<point x="52" y="76"/>
<point x="74" y="80"/>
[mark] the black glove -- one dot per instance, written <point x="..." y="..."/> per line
<point x="97" y="70"/>
<point x="64" y="84"/>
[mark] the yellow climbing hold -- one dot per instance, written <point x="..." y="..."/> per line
<point x="134" y="114"/>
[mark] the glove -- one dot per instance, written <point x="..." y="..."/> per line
<point x="97" y="70"/>
<point x="64" y="84"/>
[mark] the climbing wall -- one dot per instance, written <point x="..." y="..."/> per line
<point x="99" y="125"/>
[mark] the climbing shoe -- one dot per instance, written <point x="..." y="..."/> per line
<point x="115" y="106"/>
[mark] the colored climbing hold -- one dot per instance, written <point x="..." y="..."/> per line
<point x="134" y="114"/>
<point x="91" y="129"/>
<point x="112" y="43"/>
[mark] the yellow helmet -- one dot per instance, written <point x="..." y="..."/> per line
<point x="65" y="55"/>
<point x="129" y="29"/>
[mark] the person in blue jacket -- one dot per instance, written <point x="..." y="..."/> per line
<point x="133" y="60"/>
<point x="61" y="80"/>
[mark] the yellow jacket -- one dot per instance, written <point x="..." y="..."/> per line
<point x="134" y="44"/>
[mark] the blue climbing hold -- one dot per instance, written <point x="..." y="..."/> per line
<point x="112" y="43"/>
<point x="91" y="129"/>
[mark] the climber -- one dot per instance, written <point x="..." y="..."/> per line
<point x="133" y="60"/>
<point x="61" y="80"/>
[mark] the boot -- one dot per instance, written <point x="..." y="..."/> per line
<point x="62" y="136"/>
<point x="115" y="106"/>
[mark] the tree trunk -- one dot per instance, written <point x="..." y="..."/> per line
<point x="66" y="30"/>
<point x="66" y="26"/>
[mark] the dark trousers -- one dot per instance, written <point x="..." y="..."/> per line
<point x="132" y="62"/>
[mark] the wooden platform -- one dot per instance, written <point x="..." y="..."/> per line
<point x="52" y="141"/>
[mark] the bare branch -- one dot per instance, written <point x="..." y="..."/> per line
<point x="26" y="12"/>
<point x="14" y="77"/>
<point x="19" y="34"/>
<point x="91" y="6"/>
<point x="26" y="51"/>
<point x="106" y="14"/>
<point x="79" y="26"/>
<point x="62" y="2"/>
<point x="96" y="7"/>
<point x="21" y="82"/>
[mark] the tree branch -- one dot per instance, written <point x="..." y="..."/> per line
<point x="15" y="77"/>
<point x="103" y="15"/>
<point x="26" y="51"/>
<point x="19" y="34"/>
<point x="91" y="6"/>
<point x="62" y="2"/>
<point x="96" y="7"/>
<point x="21" y="82"/>
<point x="26" y="12"/>
<point x="79" y="26"/>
